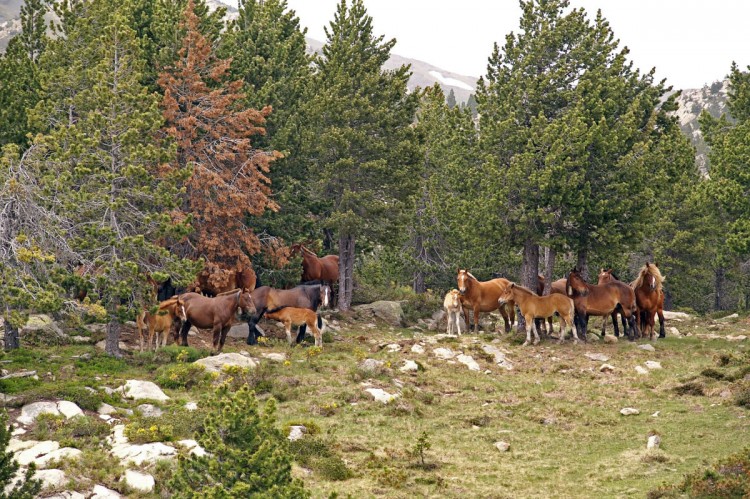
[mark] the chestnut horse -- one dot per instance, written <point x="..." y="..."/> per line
<point x="606" y="276"/>
<point x="268" y="298"/>
<point x="158" y="323"/>
<point x="292" y="316"/>
<point x="649" y="298"/>
<point x="324" y="269"/>
<point x="592" y="299"/>
<point x="215" y="313"/>
<point x="541" y="325"/>
<point x="534" y="306"/>
<point x="481" y="296"/>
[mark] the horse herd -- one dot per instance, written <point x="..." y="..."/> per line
<point x="571" y="298"/>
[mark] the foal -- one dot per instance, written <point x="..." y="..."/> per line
<point x="540" y="307"/>
<point x="159" y="323"/>
<point x="292" y="317"/>
<point x="452" y="304"/>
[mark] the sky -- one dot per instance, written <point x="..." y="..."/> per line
<point x="689" y="42"/>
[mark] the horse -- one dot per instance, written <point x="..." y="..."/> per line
<point x="481" y="296"/>
<point x="214" y="280"/>
<point x="591" y="299"/>
<point x="292" y="316"/>
<point x="534" y="306"/>
<point x="314" y="268"/>
<point x="159" y="323"/>
<point x="452" y="305"/>
<point x="212" y="313"/>
<point x="606" y="276"/>
<point x="539" y="322"/>
<point x="649" y="298"/>
<point x="268" y="298"/>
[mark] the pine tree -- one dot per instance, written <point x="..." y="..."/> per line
<point x="360" y="147"/>
<point x="28" y="487"/>
<point x="105" y="164"/>
<point x="247" y="456"/>
<point x="228" y="184"/>
<point x="451" y="99"/>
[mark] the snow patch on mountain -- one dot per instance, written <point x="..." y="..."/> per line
<point x="451" y="82"/>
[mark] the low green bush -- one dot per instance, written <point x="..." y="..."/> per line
<point x="728" y="478"/>
<point x="184" y="376"/>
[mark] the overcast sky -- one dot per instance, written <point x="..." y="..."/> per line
<point x="690" y="42"/>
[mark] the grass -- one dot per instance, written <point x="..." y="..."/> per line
<point x="559" y="414"/>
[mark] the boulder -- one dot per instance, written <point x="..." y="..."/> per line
<point x="191" y="406"/>
<point x="138" y="390"/>
<point x="647" y="347"/>
<point x="609" y="339"/>
<point x="69" y="409"/>
<point x="42" y="325"/>
<point x="216" y="363"/>
<point x="274" y="356"/>
<point x="106" y="409"/>
<point x="469" y="362"/>
<point x="51" y="479"/>
<point x="444" y="353"/>
<point x="296" y="432"/>
<point x="67" y="495"/>
<point x="387" y="311"/>
<point x="142" y="482"/>
<point x="629" y="411"/>
<point x="239" y="331"/>
<point x="150" y="411"/>
<point x="606" y="368"/>
<point x="393" y="348"/>
<point x="29" y="412"/>
<point x="67" y="453"/>
<point x="193" y="447"/>
<point x="102" y="492"/>
<point x="680" y="316"/>
<point x="417" y="348"/>
<point x="371" y="365"/>
<point x="142" y="453"/>
<point x="598" y="357"/>
<point x="652" y="364"/>
<point x="641" y="370"/>
<point x="653" y="442"/>
<point x="381" y="395"/>
<point x="30" y="455"/>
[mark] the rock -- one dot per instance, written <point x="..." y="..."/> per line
<point x="81" y="339"/>
<point x="653" y="442"/>
<point x="656" y="414"/>
<point x="29" y="412"/>
<point x="606" y="368"/>
<point x="409" y="367"/>
<point x="739" y="337"/>
<point x="502" y="446"/>
<point x="69" y="409"/>
<point x="106" y="409"/>
<point x="387" y="311"/>
<point x="142" y="482"/>
<point x="276" y="357"/>
<point x="51" y="479"/>
<point x="67" y="495"/>
<point x="381" y="395"/>
<point x="101" y="492"/>
<point x="150" y="411"/>
<point x="444" y="353"/>
<point x="142" y="453"/>
<point x="652" y="364"/>
<point x="728" y="317"/>
<point x="215" y="363"/>
<point x="238" y="331"/>
<point x="28" y="456"/>
<point x="66" y="453"/>
<point x="393" y="348"/>
<point x="680" y="316"/>
<point x="647" y="347"/>
<point x="296" y="432"/>
<point x="371" y="365"/>
<point x="438" y="316"/>
<point x="138" y="390"/>
<point x="673" y="331"/>
<point x="191" y="406"/>
<point x="193" y="447"/>
<point x="417" y="348"/>
<point x="469" y="362"/>
<point x="599" y="357"/>
<point x="629" y="411"/>
<point x="43" y="325"/>
<point x="102" y="345"/>
<point x="19" y="374"/>
<point x="610" y="339"/>
<point x="96" y="328"/>
<point x="15" y="445"/>
<point x="498" y="354"/>
<point x="641" y="370"/>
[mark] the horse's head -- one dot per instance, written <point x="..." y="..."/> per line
<point x="454" y="298"/>
<point x="575" y="283"/>
<point x="605" y="276"/>
<point x="295" y="249"/>
<point x="246" y="304"/>
<point x="462" y="280"/>
<point x="506" y="295"/>
<point x="325" y="296"/>
<point x="649" y="275"/>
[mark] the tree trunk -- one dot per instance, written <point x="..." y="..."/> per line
<point x="12" y="337"/>
<point x="418" y="284"/>
<point x="327" y="241"/>
<point x="112" y="346"/>
<point x="529" y="273"/>
<point x="346" y="271"/>
<point x="718" y="287"/>
<point x="583" y="265"/>
<point x="550" y="255"/>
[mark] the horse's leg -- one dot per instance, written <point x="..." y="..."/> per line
<point x="651" y="321"/>
<point x="253" y="334"/>
<point x="476" y="320"/>
<point x="536" y="330"/>
<point x="467" y="318"/>
<point x="224" y="332"/>
<point x="317" y="335"/>
<point x="184" y="332"/>
<point x="569" y="320"/>
<point x="288" y="329"/>
<point x="585" y="322"/>
<point x="551" y="328"/>
<point x="216" y="337"/>
<point x="660" y="312"/>
<point x="301" y="333"/>
<point x="457" y="318"/>
<point x="529" y="325"/>
<point x="449" y="323"/>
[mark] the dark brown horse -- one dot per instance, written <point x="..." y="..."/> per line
<point x="482" y="296"/>
<point x="215" y="313"/>
<point x="649" y="298"/>
<point x="314" y="268"/>
<point x="267" y="298"/>
<point x="591" y="299"/>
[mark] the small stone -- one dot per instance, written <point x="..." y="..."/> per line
<point x="647" y="347"/>
<point x="599" y="357"/>
<point x="393" y="348"/>
<point x="142" y="482"/>
<point x="502" y="446"/>
<point x="150" y="411"/>
<point x="629" y="411"/>
<point x="673" y="331"/>
<point x="216" y="363"/>
<point x="606" y="368"/>
<point x="381" y="395"/>
<point x="641" y="370"/>
<point x="610" y="339"/>
<point x="191" y="406"/>
<point x="444" y="353"/>
<point x="653" y="442"/>
<point x="417" y="348"/>
<point x="371" y="365"/>
<point x="469" y="362"/>
<point x="409" y="366"/>
<point x="276" y="357"/>
<point x="652" y="364"/>
<point x="193" y="447"/>
<point x="296" y="432"/>
<point x="656" y="414"/>
<point x="106" y="409"/>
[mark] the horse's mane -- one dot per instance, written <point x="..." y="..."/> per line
<point x="651" y="270"/>
<point x="471" y="275"/>
<point x="229" y="292"/>
<point x="525" y="289"/>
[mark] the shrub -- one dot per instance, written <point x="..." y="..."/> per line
<point x="26" y="487"/>
<point x="742" y="396"/>
<point x="728" y="478"/>
<point x="183" y="376"/>
<point x="145" y="431"/>
<point x="319" y="455"/>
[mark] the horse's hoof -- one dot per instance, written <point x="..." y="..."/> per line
<point x="525" y="344"/>
<point x="662" y="336"/>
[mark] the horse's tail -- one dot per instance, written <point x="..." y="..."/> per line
<point x="321" y="324"/>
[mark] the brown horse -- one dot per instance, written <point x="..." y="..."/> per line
<point x="534" y="306"/>
<point x="481" y="296"/>
<point x="314" y="268"/>
<point x="591" y="299"/>
<point x="159" y="323"/>
<point x="215" y="313"/>
<point x="214" y="280"/>
<point x="292" y="316"/>
<point x="268" y="298"/>
<point x="605" y="277"/>
<point x="649" y="298"/>
<point x="540" y="291"/>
